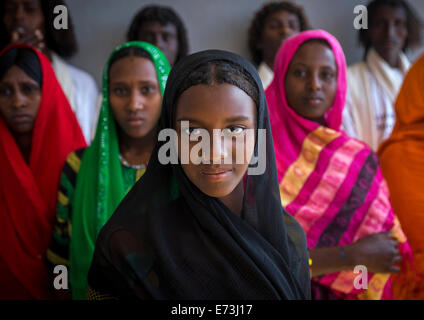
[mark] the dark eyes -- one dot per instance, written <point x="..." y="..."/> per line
<point x="326" y="75"/>
<point x="5" y="92"/>
<point x="29" y="89"/>
<point x="299" y="73"/>
<point x="25" y="89"/>
<point x="10" y="9"/>
<point x="165" y="37"/>
<point x="120" y="91"/>
<point x="30" y="9"/>
<point x="123" y="91"/>
<point x="234" y="130"/>
<point x="273" y="24"/>
<point x="147" y="90"/>
<point x="151" y="37"/>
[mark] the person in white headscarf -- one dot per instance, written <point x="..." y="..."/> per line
<point x="373" y="84"/>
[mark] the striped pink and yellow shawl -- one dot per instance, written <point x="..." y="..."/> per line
<point x="331" y="183"/>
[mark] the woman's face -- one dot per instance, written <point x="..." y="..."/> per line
<point x="209" y="107"/>
<point x="388" y="31"/>
<point x="278" y="27"/>
<point x="311" y="81"/>
<point x="165" y="37"/>
<point x="23" y="17"/>
<point x="20" y="98"/>
<point x="134" y="95"/>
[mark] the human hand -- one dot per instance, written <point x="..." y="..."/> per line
<point x="378" y="252"/>
<point x="36" y="39"/>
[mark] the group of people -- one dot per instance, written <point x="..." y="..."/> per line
<point x="82" y="183"/>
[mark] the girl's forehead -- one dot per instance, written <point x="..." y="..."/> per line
<point x="208" y="103"/>
<point x="314" y="51"/>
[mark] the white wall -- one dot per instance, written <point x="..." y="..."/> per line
<point x="221" y="24"/>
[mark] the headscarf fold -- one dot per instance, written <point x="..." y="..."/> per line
<point x="168" y="240"/>
<point x="331" y="183"/>
<point x="100" y="185"/>
<point x="28" y="192"/>
<point x="402" y="163"/>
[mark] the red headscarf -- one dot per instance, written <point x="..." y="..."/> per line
<point x="28" y="192"/>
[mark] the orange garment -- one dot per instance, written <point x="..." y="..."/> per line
<point x="402" y="163"/>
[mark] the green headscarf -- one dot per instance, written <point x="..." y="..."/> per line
<point x="100" y="185"/>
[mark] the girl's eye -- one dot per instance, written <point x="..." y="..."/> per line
<point x="193" y="131"/>
<point x="237" y="130"/>
<point x="273" y="25"/>
<point x="234" y="131"/>
<point x="299" y="73"/>
<point x="30" y="9"/>
<point x="5" y="92"/>
<point x="293" y="25"/>
<point x="147" y="90"/>
<point x="327" y="75"/>
<point x="120" y="91"/>
<point x="27" y="89"/>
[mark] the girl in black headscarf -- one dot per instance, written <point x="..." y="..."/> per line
<point x="206" y="231"/>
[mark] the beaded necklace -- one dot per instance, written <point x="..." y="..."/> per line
<point x="133" y="166"/>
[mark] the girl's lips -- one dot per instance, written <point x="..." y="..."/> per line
<point x="18" y="119"/>
<point x="135" y="121"/>
<point x="216" y="175"/>
<point x="315" y="101"/>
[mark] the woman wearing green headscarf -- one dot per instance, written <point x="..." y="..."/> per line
<point x="95" y="179"/>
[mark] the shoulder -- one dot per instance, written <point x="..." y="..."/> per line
<point x="81" y="75"/>
<point x="356" y="69"/>
<point x="83" y="80"/>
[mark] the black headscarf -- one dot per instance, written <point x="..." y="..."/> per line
<point x="169" y="240"/>
<point x="25" y="59"/>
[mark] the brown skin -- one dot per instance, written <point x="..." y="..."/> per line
<point x="135" y="99"/>
<point x="278" y="27"/>
<point x="311" y="81"/>
<point x="312" y="74"/>
<point x="222" y="106"/>
<point x="388" y="33"/>
<point x="20" y="98"/>
<point x="165" y="37"/>
<point x="24" y="21"/>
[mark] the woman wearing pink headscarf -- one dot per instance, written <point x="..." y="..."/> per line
<point x="331" y="183"/>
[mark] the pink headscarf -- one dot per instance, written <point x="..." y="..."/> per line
<point x="331" y="183"/>
<point x="288" y="128"/>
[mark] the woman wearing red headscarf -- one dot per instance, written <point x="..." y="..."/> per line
<point x="37" y="131"/>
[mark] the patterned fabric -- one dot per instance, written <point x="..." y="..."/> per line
<point x="331" y="183"/>
<point x="28" y="191"/>
<point x="95" y="295"/>
<point x="58" y="253"/>
<point x="100" y="184"/>
<point x="169" y="240"/>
